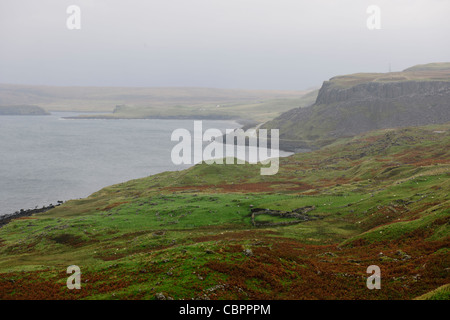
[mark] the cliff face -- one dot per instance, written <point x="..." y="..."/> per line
<point x="349" y="105"/>
<point x="330" y="93"/>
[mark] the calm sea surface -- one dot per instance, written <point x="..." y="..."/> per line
<point x="44" y="159"/>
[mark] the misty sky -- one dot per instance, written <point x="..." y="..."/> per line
<point x="252" y="44"/>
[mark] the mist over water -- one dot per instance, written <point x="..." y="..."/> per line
<point x="44" y="159"/>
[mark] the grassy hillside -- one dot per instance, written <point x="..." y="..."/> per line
<point x="428" y="72"/>
<point x="437" y="66"/>
<point x="380" y="198"/>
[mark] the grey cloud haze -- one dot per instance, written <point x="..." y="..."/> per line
<point x="254" y="44"/>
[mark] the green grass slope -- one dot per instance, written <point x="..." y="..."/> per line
<point x="381" y="198"/>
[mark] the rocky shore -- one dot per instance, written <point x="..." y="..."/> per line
<point x="5" y="219"/>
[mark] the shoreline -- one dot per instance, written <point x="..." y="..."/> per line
<point x="242" y="122"/>
<point x="7" y="218"/>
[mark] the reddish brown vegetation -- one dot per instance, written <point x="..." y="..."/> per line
<point x="247" y="187"/>
<point x="422" y="156"/>
<point x="278" y="268"/>
<point x="290" y="270"/>
<point x="239" y="235"/>
<point x="113" y="205"/>
<point x="36" y="286"/>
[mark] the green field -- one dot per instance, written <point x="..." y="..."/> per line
<point x="247" y="112"/>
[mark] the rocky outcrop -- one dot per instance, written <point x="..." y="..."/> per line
<point x="5" y="219"/>
<point x="383" y="91"/>
<point x="292" y="217"/>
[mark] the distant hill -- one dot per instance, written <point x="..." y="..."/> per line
<point x="105" y="99"/>
<point x="248" y="113"/>
<point x="352" y="104"/>
<point x="22" y="110"/>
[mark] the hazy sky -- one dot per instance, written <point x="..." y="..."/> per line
<point x="254" y="44"/>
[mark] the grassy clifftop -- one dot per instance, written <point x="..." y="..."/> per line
<point x="425" y="72"/>
<point x="436" y="67"/>
<point x="380" y="198"/>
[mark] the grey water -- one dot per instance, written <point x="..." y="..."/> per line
<point x="44" y="159"/>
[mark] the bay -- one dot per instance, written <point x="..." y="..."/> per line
<point x="44" y="159"/>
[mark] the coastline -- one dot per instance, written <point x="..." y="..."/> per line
<point x="245" y="123"/>
<point x="7" y="218"/>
